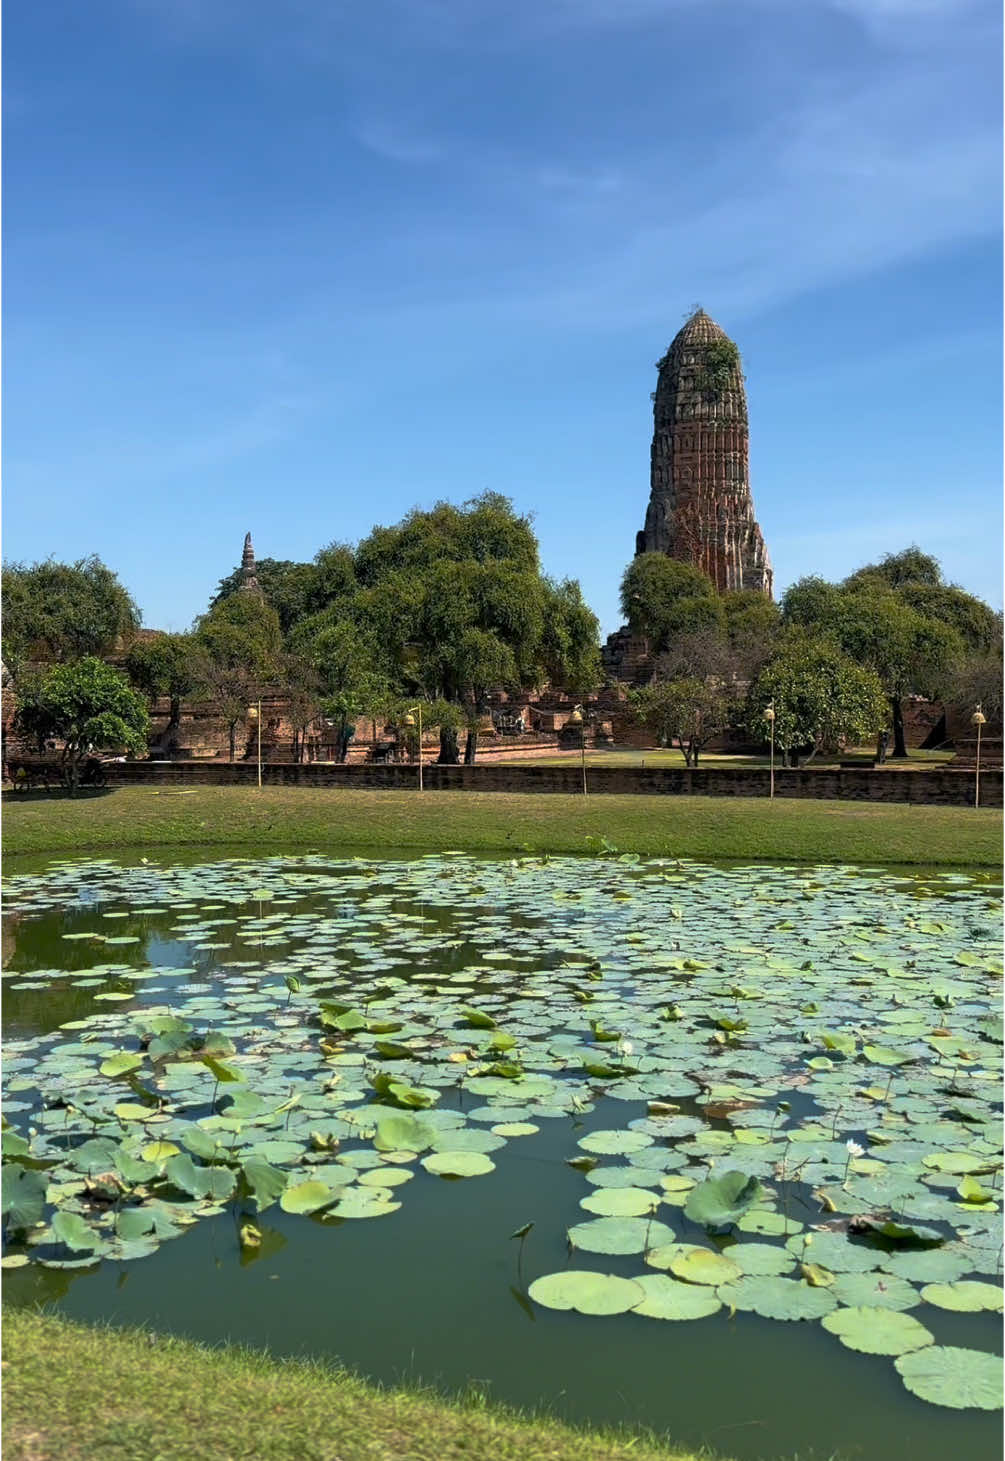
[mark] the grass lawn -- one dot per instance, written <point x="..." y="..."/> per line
<point x="72" y="1393"/>
<point x="657" y="756"/>
<point x="379" y="822"/>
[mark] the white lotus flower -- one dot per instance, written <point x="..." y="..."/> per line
<point x="854" y="1148"/>
<point x="625" y="1047"/>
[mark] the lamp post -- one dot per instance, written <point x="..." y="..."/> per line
<point x="769" y="716"/>
<point x="576" y="718"/>
<point x="255" y="713"/>
<point x="410" y="721"/>
<point x="978" y="719"/>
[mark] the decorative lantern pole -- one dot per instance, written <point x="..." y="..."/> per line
<point x="769" y="716"/>
<point x="255" y="714"/>
<point x="978" y="719"/>
<point x="576" y="718"/>
<point x="410" y="721"/>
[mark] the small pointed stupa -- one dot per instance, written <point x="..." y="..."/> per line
<point x="249" y="582"/>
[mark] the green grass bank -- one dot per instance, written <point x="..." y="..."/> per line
<point x="142" y="818"/>
<point x="72" y="1393"/>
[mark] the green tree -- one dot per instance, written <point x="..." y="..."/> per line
<point x="895" y="570"/>
<point x="910" y="653"/>
<point x="242" y="643"/>
<point x="64" y="611"/>
<point x="345" y="665"/>
<point x="753" y="625"/>
<point x="687" y="712"/>
<point x="88" y="706"/>
<point x="292" y="589"/>
<point x="456" y="601"/>
<point x="902" y="619"/>
<point x="662" y="598"/>
<point x="171" y="665"/>
<point x="821" y="697"/>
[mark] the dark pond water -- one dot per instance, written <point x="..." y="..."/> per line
<point x="725" y="990"/>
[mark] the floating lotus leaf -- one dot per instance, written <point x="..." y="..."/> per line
<point x="23" y="1196"/>
<point x="458" y="1164"/>
<point x="515" y="1128"/>
<point x="760" y="1258"/>
<point x="615" y="1143"/>
<point x="960" y="1379"/>
<point x="586" y="1292"/>
<point x="875" y="1290"/>
<point x="69" y="1228"/>
<point x="307" y="1197"/>
<point x="836" y="1251"/>
<point x="117" y="1066"/>
<point x="875" y="1330"/>
<point x="665" y="1298"/>
<point x="965" y="1296"/>
<point x="701" y="1265"/>
<point x="721" y="1201"/>
<point x="619" y="1235"/>
<point x="769" y="1223"/>
<point x="621" y="1201"/>
<point x="933" y="1266"/>
<point x="403" y="1133"/>
<point x="777" y="1298"/>
<point x="364" y="1203"/>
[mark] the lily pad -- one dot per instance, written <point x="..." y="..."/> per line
<point x="458" y="1164"/>
<point x="965" y="1296"/>
<point x="876" y="1330"/>
<point x="960" y="1379"/>
<point x="586" y="1292"/>
<point x="615" y="1143"/>
<point x="777" y="1298"/>
<point x="307" y="1197"/>
<point x="665" y="1298"/>
<point x="701" y="1265"/>
<point x="619" y="1235"/>
<point x="621" y="1201"/>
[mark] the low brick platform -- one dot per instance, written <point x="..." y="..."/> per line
<point x="938" y="787"/>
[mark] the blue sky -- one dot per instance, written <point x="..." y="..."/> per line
<point x="297" y="266"/>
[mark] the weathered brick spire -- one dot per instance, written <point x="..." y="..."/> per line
<point x="700" y="507"/>
<point x="249" y="582"/>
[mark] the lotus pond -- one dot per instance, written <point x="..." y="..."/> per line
<point x="711" y="1150"/>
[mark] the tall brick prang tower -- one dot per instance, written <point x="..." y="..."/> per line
<point x="700" y="507"/>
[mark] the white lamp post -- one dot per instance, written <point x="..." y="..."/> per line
<point x="410" y="721"/>
<point x="255" y="714"/>
<point x="769" y="716"/>
<point x="576" y="718"/>
<point x="978" y="719"/>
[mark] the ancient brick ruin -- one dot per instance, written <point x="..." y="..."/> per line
<point x="700" y="507"/>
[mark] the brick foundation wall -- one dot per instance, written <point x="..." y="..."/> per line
<point x="938" y="787"/>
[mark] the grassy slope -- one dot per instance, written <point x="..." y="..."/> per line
<point x="273" y="818"/>
<point x="72" y="1393"/>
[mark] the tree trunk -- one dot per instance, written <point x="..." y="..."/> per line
<point x="470" y="747"/>
<point x="233" y="740"/>
<point x="899" y="744"/>
<point x="694" y="755"/>
<point x="449" y="752"/>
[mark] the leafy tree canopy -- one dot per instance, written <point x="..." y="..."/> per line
<point x="241" y="631"/>
<point x="662" y="598"/>
<point x="64" y="611"/>
<point x="821" y="696"/>
<point x="87" y="705"/>
<point x="688" y="711"/>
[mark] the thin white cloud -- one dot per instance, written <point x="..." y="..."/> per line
<point x="396" y="142"/>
